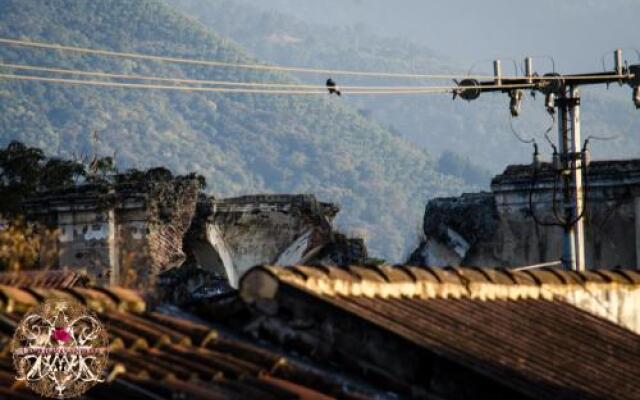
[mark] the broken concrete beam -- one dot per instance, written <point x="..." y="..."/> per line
<point x="242" y="232"/>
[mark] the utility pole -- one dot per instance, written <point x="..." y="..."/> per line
<point x="578" y="263"/>
<point x="571" y="160"/>
<point x="571" y="167"/>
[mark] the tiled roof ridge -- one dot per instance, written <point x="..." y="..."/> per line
<point x="98" y="299"/>
<point x="459" y="282"/>
<point x="48" y="278"/>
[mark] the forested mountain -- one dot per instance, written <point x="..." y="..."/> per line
<point x="477" y="30"/>
<point x="478" y="132"/>
<point x="240" y="143"/>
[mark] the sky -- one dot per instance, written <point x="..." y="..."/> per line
<point x="576" y="33"/>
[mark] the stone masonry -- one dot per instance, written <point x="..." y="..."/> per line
<point x="123" y="234"/>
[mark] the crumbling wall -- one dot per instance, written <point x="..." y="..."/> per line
<point x="83" y="222"/>
<point x="229" y="236"/>
<point x="85" y="235"/>
<point x="455" y="226"/>
<point x="123" y="233"/>
<point x="247" y="231"/>
<point x="498" y="229"/>
<point x="170" y="209"/>
<point x="130" y="233"/>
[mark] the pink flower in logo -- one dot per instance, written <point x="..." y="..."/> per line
<point x="61" y="335"/>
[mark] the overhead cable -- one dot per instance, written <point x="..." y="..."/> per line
<point x="211" y="89"/>
<point x="213" y="63"/>
<point x="264" y="67"/>
<point x="103" y="74"/>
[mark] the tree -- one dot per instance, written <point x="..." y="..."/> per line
<point x="20" y="169"/>
<point x="19" y="246"/>
<point x="25" y="170"/>
<point x="57" y="173"/>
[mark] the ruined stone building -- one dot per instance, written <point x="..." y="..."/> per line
<point x="230" y="236"/>
<point x="120" y="233"/>
<point x="497" y="228"/>
<point x="132" y="233"/>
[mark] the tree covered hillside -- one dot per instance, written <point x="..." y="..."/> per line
<point x="240" y="143"/>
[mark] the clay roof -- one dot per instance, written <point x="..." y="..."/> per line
<point x="169" y="355"/>
<point x="460" y="282"/>
<point x="44" y="279"/>
<point x="516" y="328"/>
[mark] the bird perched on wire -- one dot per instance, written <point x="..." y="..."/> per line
<point x="333" y="88"/>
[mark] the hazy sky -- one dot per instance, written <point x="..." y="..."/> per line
<point x="575" y="32"/>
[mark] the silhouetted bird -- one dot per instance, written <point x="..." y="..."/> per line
<point x="333" y="88"/>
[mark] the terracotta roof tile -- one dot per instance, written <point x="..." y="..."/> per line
<point x="519" y="277"/>
<point x="95" y="299"/>
<point x="445" y="275"/>
<point x="13" y="298"/>
<point x="45" y="279"/>
<point x="367" y="273"/>
<point x="311" y="272"/>
<point x="396" y="274"/>
<point x="342" y="274"/>
<point x="613" y="276"/>
<point x="547" y="276"/>
<point x="594" y="277"/>
<point x="422" y="274"/>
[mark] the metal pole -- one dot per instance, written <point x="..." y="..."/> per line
<point x="497" y="72"/>
<point x="568" y="240"/>
<point x="578" y="198"/>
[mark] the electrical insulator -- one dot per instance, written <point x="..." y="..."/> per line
<point x="536" y="156"/>
<point x="617" y="61"/>
<point x="557" y="164"/>
<point x="469" y="89"/>
<point x="550" y="103"/>
<point x="636" y="96"/>
<point x="586" y="158"/>
<point x="497" y="72"/>
<point x="528" y="69"/>
<point x="555" y="84"/>
<point x="516" y="102"/>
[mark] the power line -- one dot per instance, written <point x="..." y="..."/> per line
<point x="408" y="91"/>
<point x="517" y="135"/>
<point x="194" y="81"/>
<point x="263" y="67"/>
<point x="210" y="89"/>
<point x="85" y="50"/>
